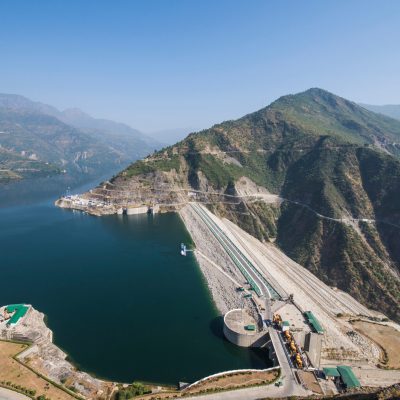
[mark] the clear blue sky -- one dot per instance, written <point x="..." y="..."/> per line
<point x="167" y="64"/>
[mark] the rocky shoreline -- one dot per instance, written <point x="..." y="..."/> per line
<point x="221" y="276"/>
<point x="46" y="358"/>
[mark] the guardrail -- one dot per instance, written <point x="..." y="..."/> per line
<point x="234" y="371"/>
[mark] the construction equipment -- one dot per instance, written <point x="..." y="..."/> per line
<point x="288" y="336"/>
<point x="299" y="361"/>
<point x="277" y="319"/>
<point x="292" y="346"/>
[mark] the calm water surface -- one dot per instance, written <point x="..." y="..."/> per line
<point x="120" y="299"/>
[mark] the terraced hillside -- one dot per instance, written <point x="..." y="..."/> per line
<point x="333" y="166"/>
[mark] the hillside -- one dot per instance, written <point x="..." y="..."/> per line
<point x="14" y="166"/>
<point x="37" y="140"/>
<point x="29" y="136"/>
<point x="334" y="169"/>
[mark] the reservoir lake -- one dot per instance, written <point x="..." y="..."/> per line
<point x="120" y="299"/>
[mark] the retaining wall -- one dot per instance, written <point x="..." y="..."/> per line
<point x="235" y="371"/>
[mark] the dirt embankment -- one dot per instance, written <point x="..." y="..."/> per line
<point x="386" y="337"/>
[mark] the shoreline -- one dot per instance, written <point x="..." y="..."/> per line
<point x="222" y="280"/>
<point x="25" y="358"/>
<point x="217" y="283"/>
<point x="53" y="362"/>
<point x="45" y="358"/>
<point x="222" y="277"/>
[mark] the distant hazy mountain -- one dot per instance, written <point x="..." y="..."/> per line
<point x="17" y="102"/>
<point x="119" y="136"/>
<point x="336" y="164"/>
<point x="79" y="119"/>
<point x="391" y="110"/>
<point x="38" y="140"/>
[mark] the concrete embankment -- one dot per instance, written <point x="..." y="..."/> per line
<point x="97" y="211"/>
<point x="220" y="273"/>
<point x="98" y="208"/>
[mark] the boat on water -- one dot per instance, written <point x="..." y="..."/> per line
<point x="183" y="249"/>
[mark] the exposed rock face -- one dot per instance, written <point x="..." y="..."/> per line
<point x="315" y="173"/>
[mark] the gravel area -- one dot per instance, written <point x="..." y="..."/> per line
<point x="221" y="274"/>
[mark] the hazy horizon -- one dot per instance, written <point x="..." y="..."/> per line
<point x="160" y="66"/>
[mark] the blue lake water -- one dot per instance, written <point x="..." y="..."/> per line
<point x="120" y="299"/>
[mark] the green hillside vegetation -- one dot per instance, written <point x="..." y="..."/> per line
<point x="319" y="112"/>
<point x="153" y="165"/>
<point x="13" y="166"/>
<point x="330" y="159"/>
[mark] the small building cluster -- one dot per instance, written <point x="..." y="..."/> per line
<point x="343" y="377"/>
<point x="13" y="313"/>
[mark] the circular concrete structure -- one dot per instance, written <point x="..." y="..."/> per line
<point x="235" y="323"/>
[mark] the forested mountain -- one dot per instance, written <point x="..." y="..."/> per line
<point x="334" y="164"/>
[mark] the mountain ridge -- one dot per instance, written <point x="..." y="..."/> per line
<point x="337" y="165"/>
<point x="390" y="110"/>
<point x="38" y="140"/>
<point x="71" y="116"/>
